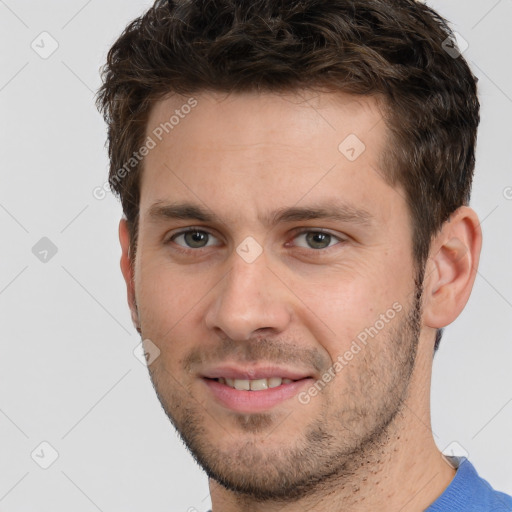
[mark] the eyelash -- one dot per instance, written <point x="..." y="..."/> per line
<point x="297" y="233"/>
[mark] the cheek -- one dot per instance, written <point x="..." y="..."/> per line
<point x="166" y="299"/>
<point x="341" y="304"/>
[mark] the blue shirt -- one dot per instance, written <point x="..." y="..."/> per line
<point x="468" y="492"/>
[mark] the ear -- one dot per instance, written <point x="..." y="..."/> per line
<point x="127" y="270"/>
<point x="451" y="268"/>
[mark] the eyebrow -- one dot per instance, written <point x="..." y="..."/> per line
<point x="342" y="212"/>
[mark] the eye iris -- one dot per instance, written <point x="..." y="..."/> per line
<point x="318" y="240"/>
<point x="196" y="238"/>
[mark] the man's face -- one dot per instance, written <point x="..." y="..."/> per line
<point x="297" y="254"/>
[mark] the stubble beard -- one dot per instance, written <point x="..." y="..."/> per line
<point x="335" y="446"/>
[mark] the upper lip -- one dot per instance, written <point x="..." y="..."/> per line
<point x="253" y="373"/>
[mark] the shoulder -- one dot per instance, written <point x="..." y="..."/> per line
<point x="468" y="492"/>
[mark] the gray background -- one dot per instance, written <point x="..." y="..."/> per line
<point x="68" y="374"/>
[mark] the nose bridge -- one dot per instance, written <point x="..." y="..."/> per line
<point x="250" y="297"/>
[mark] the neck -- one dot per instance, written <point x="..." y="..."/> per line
<point x="404" y="471"/>
<point x="406" y="475"/>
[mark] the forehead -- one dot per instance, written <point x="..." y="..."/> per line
<point x="262" y="148"/>
<point x="275" y="118"/>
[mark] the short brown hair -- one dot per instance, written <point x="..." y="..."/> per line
<point x="393" y="48"/>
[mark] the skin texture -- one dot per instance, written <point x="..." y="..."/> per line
<point x="364" y="442"/>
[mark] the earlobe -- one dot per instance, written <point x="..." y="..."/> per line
<point x="127" y="271"/>
<point x="453" y="264"/>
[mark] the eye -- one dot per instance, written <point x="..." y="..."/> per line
<point x="194" y="239"/>
<point x="316" y="240"/>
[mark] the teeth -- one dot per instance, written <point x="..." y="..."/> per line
<point x="242" y="384"/>
<point x="259" y="384"/>
<point x="254" y="385"/>
<point x="273" y="382"/>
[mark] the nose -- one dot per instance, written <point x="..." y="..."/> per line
<point x="251" y="299"/>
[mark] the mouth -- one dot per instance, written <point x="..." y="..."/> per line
<point x="254" y="384"/>
<point x="245" y="395"/>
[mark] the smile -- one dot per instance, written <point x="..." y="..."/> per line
<point x="255" y="384"/>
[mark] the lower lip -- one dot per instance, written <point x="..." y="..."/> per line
<point x="254" y="401"/>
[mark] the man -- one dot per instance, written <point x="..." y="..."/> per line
<point x="295" y="179"/>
